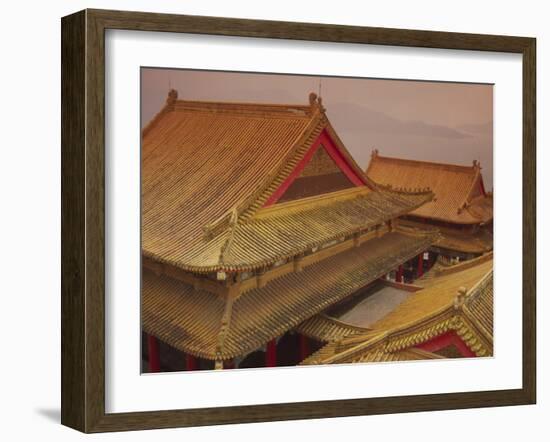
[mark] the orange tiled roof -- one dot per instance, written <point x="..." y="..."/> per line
<point x="459" y="298"/>
<point x="458" y="197"/>
<point x="213" y="327"/>
<point x="208" y="168"/>
<point x="285" y="230"/>
<point x="325" y="328"/>
<point x="478" y="242"/>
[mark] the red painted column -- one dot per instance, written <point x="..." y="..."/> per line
<point x="420" y="265"/>
<point x="154" y="355"/>
<point x="304" y="347"/>
<point x="229" y="364"/>
<point x="399" y="276"/>
<point x="271" y="354"/>
<point x="190" y="362"/>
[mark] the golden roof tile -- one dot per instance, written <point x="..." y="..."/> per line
<point x="461" y="300"/>
<point x="207" y="170"/>
<point x="438" y="293"/>
<point x="289" y="229"/>
<point x="478" y="242"/>
<point x="478" y="308"/>
<point x="459" y="195"/>
<point x="324" y="328"/>
<point x="191" y="320"/>
<point x="201" y="160"/>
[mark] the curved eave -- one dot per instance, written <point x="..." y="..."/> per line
<point x="459" y="215"/>
<point x="306" y="247"/>
<point x="471" y="322"/>
<point x="478" y="221"/>
<point x="191" y="319"/>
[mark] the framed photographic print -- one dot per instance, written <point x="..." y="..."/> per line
<point x="270" y="220"/>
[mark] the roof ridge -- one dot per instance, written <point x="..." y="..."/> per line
<point x="344" y="324"/>
<point x="369" y="340"/>
<point x="224" y="330"/>
<point x="404" y="190"/>
<point x="474" y="291"/>
<point x="436" y="165"/>
<point x="214" y="106"/>
<point x="252" y="107"/>
<point x="233" y="222"/>
<point x="468" y="197"/>
<point x="168" y="107"/>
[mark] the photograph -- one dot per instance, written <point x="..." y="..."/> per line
<point x="250" y="221"/>
<point x="297" y="220"/>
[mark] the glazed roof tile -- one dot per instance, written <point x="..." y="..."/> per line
<point x="194" y="320"/>
<point x="457" y="189"/>
<point x="459" y="299"/>
<point x="208" y="168"/>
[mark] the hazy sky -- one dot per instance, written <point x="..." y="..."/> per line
<point x="433" y="121"/>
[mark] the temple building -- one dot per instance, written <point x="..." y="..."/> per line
<point x="448" y="313"/>
<point x="462" y="210"/>
<point x="255" y="218"/>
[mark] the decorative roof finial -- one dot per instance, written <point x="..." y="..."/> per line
<point x="172" y="96"/>
<point x="374" y="153"/>
<point x="460" y="297"/>
<point x="315" y="102"/>
<point x="476" y="164"/>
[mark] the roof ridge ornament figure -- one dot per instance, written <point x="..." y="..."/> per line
<point x="316" y="102"/>
<point x="460" y="298"/>
<point x="312" y="98"/>
<point x="172" y="96"/>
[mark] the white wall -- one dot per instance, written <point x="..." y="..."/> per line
<point x="30" y="218"/>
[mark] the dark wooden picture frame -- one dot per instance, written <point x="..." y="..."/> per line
<point x="83" y="220"/>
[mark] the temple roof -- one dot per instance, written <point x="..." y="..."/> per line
<point x="460" y="197"/>
<point x="210" y="326"/>
<point x="325" y="328"/>
<point x="209" y="168"/>
<point x="288" y="229"/>
<point x="478" y="242"/>
<point x="459" y="299"/>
